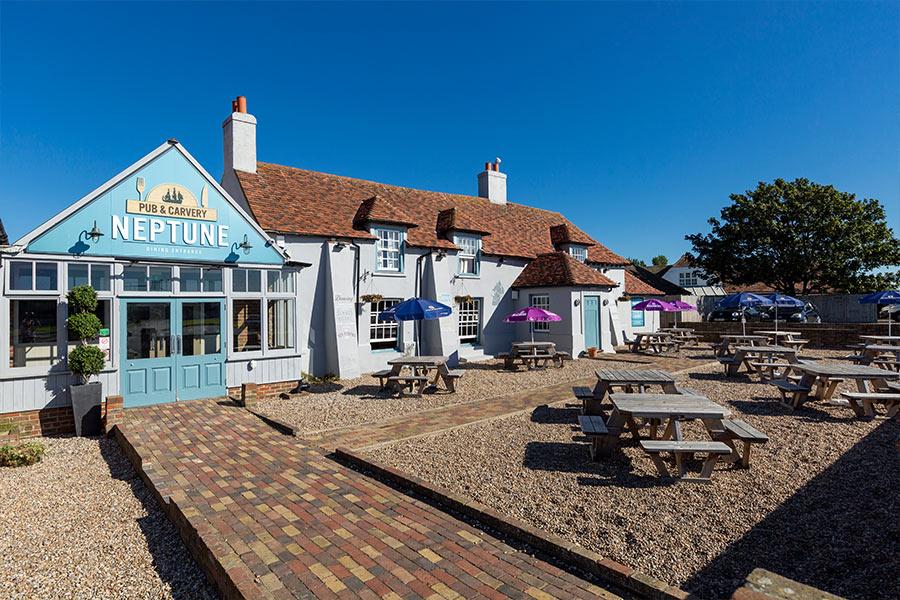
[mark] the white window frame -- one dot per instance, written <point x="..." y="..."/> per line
<point x="202" y="292"/>
<point x="387" y="238"/>
<point x="90" y="267"/>
<point x="146" y="291"/>
<point x="263" y="296"/>
<point x="579" y="253"/>
<point x="469" y="249"/>
<point x="379" y="327"/>
<point x="469" y="314"/>
<point x="60" y="284"/>
<point x="540" y="301"/>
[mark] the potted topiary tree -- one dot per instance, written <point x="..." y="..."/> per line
<point x="85" y="360"/>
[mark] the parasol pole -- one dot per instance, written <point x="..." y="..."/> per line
<point x="531" y="328"/>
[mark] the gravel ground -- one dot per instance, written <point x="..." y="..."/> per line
<point x="355" y="401"/>
<point x="819" y="503"/>
<point x="80" y="524"/>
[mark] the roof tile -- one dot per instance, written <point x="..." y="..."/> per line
<point x="560" y="269"/>
<point x="288" y="200"/>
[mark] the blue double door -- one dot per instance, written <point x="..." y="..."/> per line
<point x="172" y="349"/>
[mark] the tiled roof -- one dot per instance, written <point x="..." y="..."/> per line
<point x="654" y="280"/>
<point x="756" y="288"/>
<point x="559" y="269"/>
<point x="635" y="286"/>
<point x="684" y="261"/>
<point x="381" y="210"/>
<point x="564" y="234"/>
<point x="289" y="200"/>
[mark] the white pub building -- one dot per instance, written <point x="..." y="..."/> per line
<point x="276" y="271"/>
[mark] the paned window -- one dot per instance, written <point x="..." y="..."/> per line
<point x="579" y="252"/>
<point x="541" y="301"/>
<point x="470" y="321"/>
<point x="468" y="255"/>
<point x="389" y="250"/>
<point x="637" y="316"/>
<point x="383" y="332"/>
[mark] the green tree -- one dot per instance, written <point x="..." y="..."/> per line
<point x="659" y="260"/>
<point x="801" y="238"/>
<point x="638" y="262"/>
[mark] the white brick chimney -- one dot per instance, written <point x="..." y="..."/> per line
<point x="492" y="183"/>
<point x="239" y="133"/>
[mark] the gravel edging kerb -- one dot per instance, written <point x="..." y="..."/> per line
<point x="554" y="546"/>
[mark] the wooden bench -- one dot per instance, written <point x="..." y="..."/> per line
<point x="796" y="343"/>
<point x="732" y="430"/>
<point x="798" y="393"/>
<point x="560" y="357"/>
<point x="893" y="385"/>
<point x="855" y="358"/>
<point x="451" y="376"/>
<point x="891" y="403"/>
<point x="766" y="369"/>
<point x="415" y="383"/>
<point x="682" y="450"/>
<point x="602" y="439"/>
<point x="686" y="391"/>
<point x="582" y="392"/>
<point x="730" y="363"/>
<point x="888" y="364"/>
<point x="382" y="376"/>
<point x="508" y="362"/>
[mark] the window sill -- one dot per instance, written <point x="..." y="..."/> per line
<point x="388" y="274"/>
<point x="467" y="276"/>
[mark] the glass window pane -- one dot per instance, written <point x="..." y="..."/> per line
<point x="201" y="328"/>
<point x="383" y="333"/>
<point x="100" y="278"/>
<point x="149" y="329"/>
<point x="20" y="275"/>
<point x="134" y="279"/>
<point x="78" y="275"/>
<point x="280" y="324"/>
<point x="32" y="333"/>
<point x="247" y="325"/>
<point x="541" y="301"/>
<point x="160" y="279"/>
<point x="190" y="279"/>
<point x="637" y="316"/>
<point x="254" y="280"/>
<point x="45" y="276"/>
<point x="281" y="282"/>
<point x="239" y="280"/>
<point x="212" y="280"/>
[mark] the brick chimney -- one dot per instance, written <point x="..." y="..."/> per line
<point x="492" y="183"/>
<point x="239" y="134"/>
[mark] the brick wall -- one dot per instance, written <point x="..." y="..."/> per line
<point x="266" y="391"/>
<point x="47" y="421"/>
<point x="820" y="335"/>
<point x="60" y="420"/>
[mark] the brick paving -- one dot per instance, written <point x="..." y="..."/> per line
<point x="369" y="435"/>
<point x="268" y="517"/>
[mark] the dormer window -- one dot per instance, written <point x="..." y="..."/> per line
<point x="388" y="249"/>
<point x="578" y="252"/>
<point x="469" y="255"/>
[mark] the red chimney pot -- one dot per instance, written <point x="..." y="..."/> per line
<point x="242" y="104"/>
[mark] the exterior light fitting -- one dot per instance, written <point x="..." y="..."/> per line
<point x="246" y="246"/>
<point x="95" y="234"/>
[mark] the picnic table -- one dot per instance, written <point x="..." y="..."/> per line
<point x="891" y="340"/>
<point x="684" y="335"/>
<point x="759" y="359"/>
<point x="532" y="354"/>
<point x="874" y="353"/>
<point x="723" y="347"/>
<point x="781" y="334"/>
<point x="658" y="342"/>
<point x="628" y="380"/>
<point x="826" y="377"/>
<point x="426" y="370"/>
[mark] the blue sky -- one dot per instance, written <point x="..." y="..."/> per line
<point x="636" y="120"/>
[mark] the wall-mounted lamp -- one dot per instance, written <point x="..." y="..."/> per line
<point x="95" y="234"/>
<point x="245" y="245"/>
<point x="441" y="255"/>
<point x="501" y="260"/>
<point x="605" y="302"/>
<point x="338" y="245"/>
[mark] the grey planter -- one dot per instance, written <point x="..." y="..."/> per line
<point x="86" y="399"/>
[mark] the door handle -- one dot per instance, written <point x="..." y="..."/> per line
<point x="179" y="345"/>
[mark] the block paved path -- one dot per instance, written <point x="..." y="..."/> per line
<point x="268" y="517"/>
<point x="368" y="435"/>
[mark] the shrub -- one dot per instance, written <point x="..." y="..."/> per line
<point x="85" y="360"/>
<point x="10" y="428"/>
<point x="21" y="455"/>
